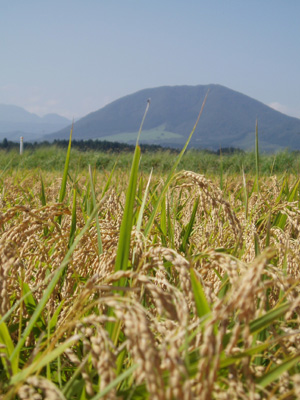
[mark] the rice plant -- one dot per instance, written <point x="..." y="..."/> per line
<point x="135" y="286"/>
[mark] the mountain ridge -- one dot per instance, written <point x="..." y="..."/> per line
<point x="228" y="120"/>
<point x="15" y="121"/>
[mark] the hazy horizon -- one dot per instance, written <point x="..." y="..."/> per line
<point x="74" y="57"/>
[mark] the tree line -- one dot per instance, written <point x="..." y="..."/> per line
<point x="103" y="146"/>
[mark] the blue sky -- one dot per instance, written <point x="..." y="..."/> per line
<point x="74" y="56"/>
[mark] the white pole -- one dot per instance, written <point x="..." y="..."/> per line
<point x="21" y="145"/>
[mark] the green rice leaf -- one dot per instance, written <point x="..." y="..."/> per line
<point x="170" y="175"/>
<point x="276" y="372"/>
<point x="106" y="187"/>
<point x="253" y="351"/>
<point x="43" y="360"/>
<point x="221" y="169"/>
<point x="31" y="303"/>
<point x="245" y="193"/>
<point x="163" y="221"/>
<point x="43" y="195"/>
<point x="116" y="382"/>
<point x="189" y="227"/>
<point x="100" y="248"/>
<point x="73" y="222"/>
<point x="282" y="218"/>
<point x="53" y="321"/>
<point x="6" y="340"/>
<point x="126" y="224"/>
<point x="268" y="318"/>
<point x="141" y="212"/>
<point x="199" y="295"/>
<point x="127" y="220"/>
<point x="62" y="192"/>
<point x="6" y="168"/>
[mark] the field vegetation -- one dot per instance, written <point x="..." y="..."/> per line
<point x="105" y="156"/>
<point x="129" y="283"/>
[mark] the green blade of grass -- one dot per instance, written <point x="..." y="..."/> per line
<point x="5" y="168"/>
<point x="69" y="387"/>
<point x="170" y="224"/>
<point x="268" y="230"/>
<point x="264" y="321"/>
<point x="221" y="169"/>
<point x="127" y="220"/>
<point x="202" y="305"/>
<point x="122" y="257"/>
<point x="171" y="173"/>
<point x="109" y="180"/>
<point x="6" y="340"/>
<point x="43" y="360"/>
<point x="163" y="221"/>
<point x="141" y="212"/>
<point x="73" y="222"/>
<point x="268" y="318"/>
<point x="142" y="123"/>
<point x="282" y="190"/>
<point x="115" y="382"/>
<point x="100" y="248"/>
<point x="256" y="244"/>
<point x="189" y="227"/>
<point x="282" y="218"/>
<point x="245" y="193"/>
<point x="62" y="191"/>
<point x="53" y="321"/>
<point x="276" y="372"/>
<point x="126" y="224"/>
<point x="43" y="196"/>
<point x="30" y="303"/>
<point x="227" y="361"/>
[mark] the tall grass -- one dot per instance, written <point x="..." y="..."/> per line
<point x="53" y="159"/>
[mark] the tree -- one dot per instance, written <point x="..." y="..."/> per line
<point x="5" y="143"/>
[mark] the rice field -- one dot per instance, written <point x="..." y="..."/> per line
<point x="202" y="302"/>
<point x="132" y="285"/>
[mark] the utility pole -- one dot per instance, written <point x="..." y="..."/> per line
<point x="21" y="145"/>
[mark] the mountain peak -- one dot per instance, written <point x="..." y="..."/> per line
<point x="228" y="120"/>
<point x="15" y="121"/>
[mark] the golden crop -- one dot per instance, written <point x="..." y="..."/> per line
<point x="205" y="305"/>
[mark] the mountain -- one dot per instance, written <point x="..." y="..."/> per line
<point x="16" y="122"/>
<point x="228" y="120"/>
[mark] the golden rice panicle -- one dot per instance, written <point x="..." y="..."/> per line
<point x="102" y="350"/>
<point x="179" y="385"/>
<point x="179" y="276"/>
<point x="5" y="264"/>
<point x="213" y="194"/>
<point x="39" y="388"/>
<point x="141" y="345"/>
<point x="82" y="367"/>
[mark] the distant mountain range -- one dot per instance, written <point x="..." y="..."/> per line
<point x="228" y="120"/>
<point x="16" y="122"/>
